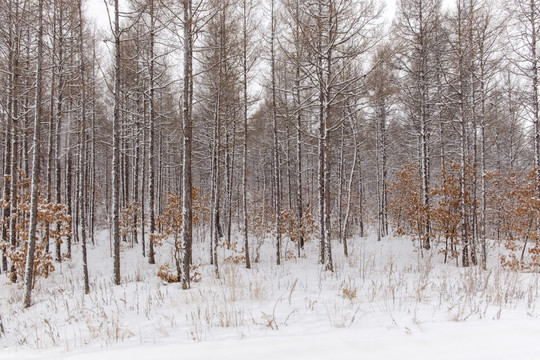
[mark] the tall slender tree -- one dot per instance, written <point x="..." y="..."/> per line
<point x="416" y="29"/>
<point x="115" y="169"/>
<point x="187" y="185"/>
<point x="29" y="268"/>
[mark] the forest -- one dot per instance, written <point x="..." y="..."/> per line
<point x="189" y="135"/>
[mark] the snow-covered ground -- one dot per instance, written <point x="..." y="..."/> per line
<point x="383" y="302"/>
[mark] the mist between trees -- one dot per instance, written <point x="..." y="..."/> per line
<point x="227" y="122"/>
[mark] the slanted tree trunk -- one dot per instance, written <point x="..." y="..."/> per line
<point x="82" y="157"/>
<point x="349" y="189"/>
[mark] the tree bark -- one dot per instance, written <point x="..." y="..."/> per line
<point x="187" y="186"/>
<point x="245" y="123"/>
<point x="82" y="156"/>
<point x="29" y="268"/>
<point x="115" y="170"/>
<point x="277" y="178"/>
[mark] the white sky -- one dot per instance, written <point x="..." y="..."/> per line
<point x="97" y="11"/>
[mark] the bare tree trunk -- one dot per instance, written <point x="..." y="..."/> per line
<point x="9" y="174"/>
<point x="229" y="171"/>
<point x="341" y="172"/>
<point x="289" y="166"/>
<point x="327" y="96"/>
<point x="298" y="101"/>
<point x="277" y="180"/>
<point x="532" y="18"/>
<point x="245" y="119"/>
<point x="93" y="153"/>
<point x="116" y="149"/>
<point x="463" y="186"/>
<point x="187" y="186"/>
<point x="159" y="180"/>
<point x="361" y="198"/>
<point x="151" y="150"/>
<point x="143" y="181"/>
<point x="58" y="125"/>
<point x="322" y="152"/>
<point x="382" y="227"/>
<point x="216" y="233"/>
<point x="216" y="156"/>
<point x="68" y="187"/>
<point x="82" y="157"/>
<point x="483" y="180"/>
<point x="25" y="115"/>
<point x="136" y="167"/>
<point x="425" y="172"/>
<point x="213" y="196"/>
<point x="463" y="169"/>
<point x="14" y="53"/>
<point x="14" y="160"/>
<point x="6" y="189"/>
<point x="29" y="268"/>
<point x="329" y="264"/>
<point x="349" y="187"/>
<point x="124" y="164"/>
<point x="228" y="187"/>
<point x="384" y="179"/>
<point x="50" y="137"/>
<point x="151" y="188"/>
<point x="471" y="44"/>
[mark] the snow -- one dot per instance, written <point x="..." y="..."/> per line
<point x="471" y="340"/>
<point x="385" y="301"/>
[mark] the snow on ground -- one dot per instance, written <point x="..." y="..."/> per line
<point x="471" y="340"/>
<point x="384" y="301"/>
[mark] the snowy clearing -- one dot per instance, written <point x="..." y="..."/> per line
<point x="381" y="302"/>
